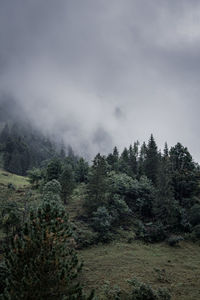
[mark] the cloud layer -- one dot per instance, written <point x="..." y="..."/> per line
<point x="100" y="73"/>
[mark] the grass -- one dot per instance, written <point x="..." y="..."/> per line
<point x="175" y="268"/>
<point x="16" y="180"/>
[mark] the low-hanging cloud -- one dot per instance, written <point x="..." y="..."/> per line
<point x="104" y="73"/>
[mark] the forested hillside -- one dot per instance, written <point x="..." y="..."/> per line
<point x="139" y="194"/>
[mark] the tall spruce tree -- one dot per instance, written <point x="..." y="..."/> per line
<point x="185" y="175"/>
<point x="152" y="160"/>
<point x="97" y="187"/>
<point x="142" y="160"/>
<point x="67" y="182"/>
<point x="165" y="207"/>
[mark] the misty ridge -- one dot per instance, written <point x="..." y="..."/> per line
<point x="99" y="74"/>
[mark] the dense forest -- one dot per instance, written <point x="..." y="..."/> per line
<point x="152" y="193"/>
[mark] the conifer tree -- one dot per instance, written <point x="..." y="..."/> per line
<point x="67" y="183"/>
<point x="142" y="160"/>
<point x="165" y="206"/>
<point x="133" y="157"/>
<point x="124" y="162"/>
<point x="113" y="160"/>
<point x="81" y="171"/>
<point x="53" y="169"/>
<point x="97" y="188"/>
<point x="152" y="160"/>
<point x="41" y="260"/>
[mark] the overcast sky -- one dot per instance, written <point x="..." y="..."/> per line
<point x="105" y="72"/>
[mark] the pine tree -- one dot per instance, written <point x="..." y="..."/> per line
<point x="165" y="206"/>
<point x="124" y="162"/>
<point x="67" y="183"/>
<point x="113" y="160"/>
<point x="133" y="157"/>
<point x="97" y="187"/>
<point x="152" y="160"/>
<point x="142" y="160"/>
<point x="53" y="169"/>
<point x="185" y="175"/>
<point x="81" y="171"/>
<point x="41" y="260"/>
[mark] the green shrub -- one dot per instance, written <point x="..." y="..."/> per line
<point x="84" y="237"/>
<point x="174" y="240"/>
<point x="196" y="231"/>
<point x="101" y="223"/>
<point x="142" y="291"/>
<point x="151" y="232"/>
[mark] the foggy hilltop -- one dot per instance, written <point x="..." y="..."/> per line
<point x="99" y="74"/>
<point x="65" y="134"/>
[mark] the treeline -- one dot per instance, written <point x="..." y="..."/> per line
<point x="22" y="148"/>
<point x="156" y="191"/>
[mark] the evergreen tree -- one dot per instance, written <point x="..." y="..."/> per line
<point x="41" y="260"/>
<point x="124" y="162"/>
<point x="113" y="160"/>
<point x="97" y="188"/>
<point x="53" y="169"/>
<point x="185" y="175"/>
<point x="165" y="206"/>
<point x="133" y="158"/>
<point x="142" y="160"/>
<point x="67" y="182"/>
<point x="81" y="171"/>
<point x="152" y="160"/>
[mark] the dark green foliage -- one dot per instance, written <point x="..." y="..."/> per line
<point x="196" y="231"/>
<point x="3" y="275"/>
<point x="113" y="160"/>
<point x="23" y="147"/>
<point x="41" y="261"/>
<point x="118" y="209"/>
<point x="53" y="170"/>
<point x="142" y="291"/>
<point x="133" y="158"/>
<point x="174" y="240"/>
<point x="141" y="196"/>
<point x="16" y="156"/>
<point x="152" y="160"/>
<point x="185" y="175"/>
<point x="81" y="171"/>
<point x="124" y="162"/>
<point x="9" y="217"/>
<point x="195" y="214"/>
<point x="141" y="160"/>
<point x="165" y="207"/>
<point x="52" y="187"/>
<point x="101" y="222"/>
<point x="151" y="232"/>
<point x="97" y="188"/>
<point x="35" y="175"/>
<point x="84" y="236"/>
<point x="67" y="182"/>
<point x="139" y="291"/>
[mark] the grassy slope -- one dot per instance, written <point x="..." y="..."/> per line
<point x="18" y="181"/>
<point x="179" y="267"/>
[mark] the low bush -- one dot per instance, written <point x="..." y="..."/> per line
<point x="151" y="232"/>
<point x="174" y="240"/>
